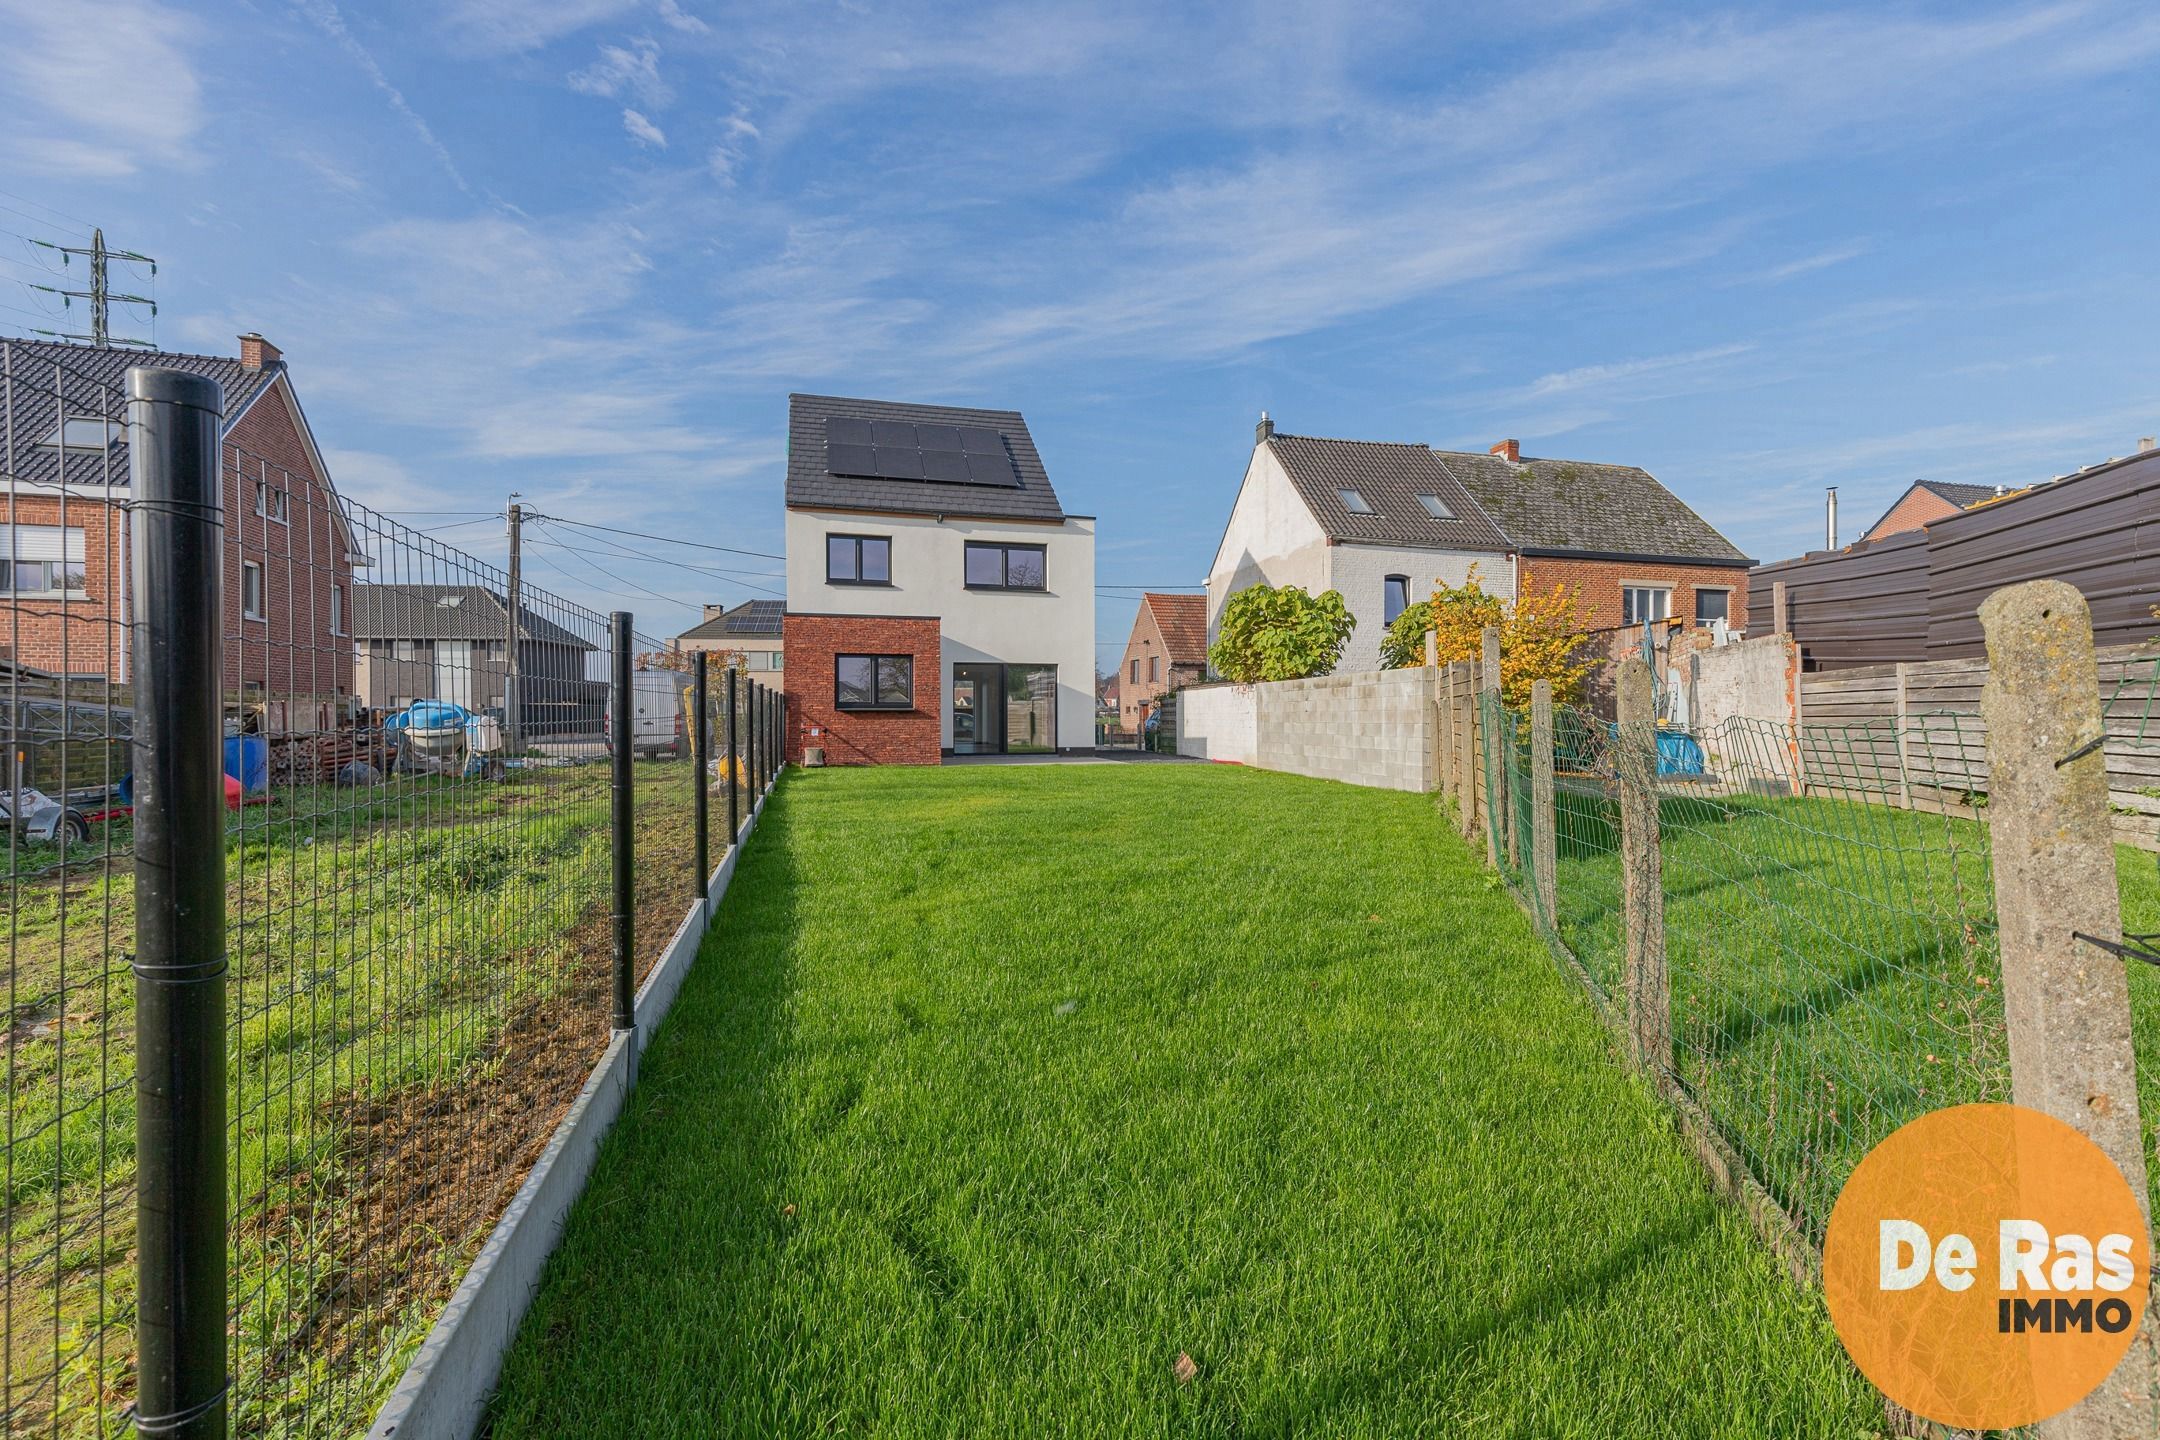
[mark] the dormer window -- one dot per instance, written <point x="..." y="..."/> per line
<point x="86" y="434"/>
<point x="1436" y="507"/>
<point x="1353" y="502"/>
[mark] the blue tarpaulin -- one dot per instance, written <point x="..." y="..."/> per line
<point x="247" y="759"/>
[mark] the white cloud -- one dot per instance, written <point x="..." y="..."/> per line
<point x="97" y="92"/>
<point x="677" y="18"/>
<point x="736" y="133"/>
<point x="325" y="16"/>
<point x="632" y="70"/>
<point x="643" y="130"/>
<point x="511" y="27"/>
<point x="1588" y="377"/>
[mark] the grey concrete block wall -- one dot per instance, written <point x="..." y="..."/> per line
<point x="1368" y="728"/>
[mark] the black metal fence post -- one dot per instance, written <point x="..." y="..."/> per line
<point x="700" y="768"/>
<point x="173" y="439"/>
<point x="750" y="755"/>
<point x="734" y="819"/>
<point x="621" y="814"/>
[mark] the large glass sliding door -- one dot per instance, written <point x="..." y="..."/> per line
<point x="1030" y="709"/>
<point x="1004" y="709"/>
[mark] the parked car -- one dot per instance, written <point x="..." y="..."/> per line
<point x="657" y="724"/>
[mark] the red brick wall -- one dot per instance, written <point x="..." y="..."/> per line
<point x="289" y="656"/>
<point x="1918" y="508"/>
<point x="1599" y="583"/>
<point x="73" y="636"/>
<point x="861" y="737"/>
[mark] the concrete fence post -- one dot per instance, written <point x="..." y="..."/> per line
<point x="1543" y="849"/>
<point x="1489" y="751"/>
<point x="1649" y="991"/>
<point x="1780" y="623"/>
<point x="1445" y="703"/>
<point x="1465" y="747"/>
<point x="1904" y="752"/>
<point x="2066" y="1000"/>
<point x="1434" y="750"/>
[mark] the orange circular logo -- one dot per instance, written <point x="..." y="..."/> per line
<point x="1986" y="1266"/>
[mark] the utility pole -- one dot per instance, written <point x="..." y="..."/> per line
<point x="513" y="728"/>
<point x="100" y="293"/>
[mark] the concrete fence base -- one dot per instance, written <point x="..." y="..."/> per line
<point x="1372" y="728"/>
<point x="444" y="1392"/>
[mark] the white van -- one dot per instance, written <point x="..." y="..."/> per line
<point x="658" y="711"/>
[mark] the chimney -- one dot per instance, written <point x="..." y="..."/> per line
<point x="2148" y="442"/>
<point x="714" y="610"/>
<point x="1264" y="430"/>
<point x="1508" y="450"/>
<point x="1830" y="520"/>
<point x="257" y="353"/>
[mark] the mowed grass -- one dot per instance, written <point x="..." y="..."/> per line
<point x="997" y="1090"/>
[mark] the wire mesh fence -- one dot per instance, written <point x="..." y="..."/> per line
<point x="418" y="937"/>
<point x="1829" y="931"/>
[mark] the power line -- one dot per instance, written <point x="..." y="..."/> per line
<point x="663" y="539"/>
<point x="619" y="580"/>
<point x="582" y="554"/>
<point x="49" y="209"/>
<point x="100" y="294"/>
<point x="722" y="572"/>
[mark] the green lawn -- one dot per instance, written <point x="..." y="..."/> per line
<point x="996" y="1090"/>
<point x="382" y="943"/>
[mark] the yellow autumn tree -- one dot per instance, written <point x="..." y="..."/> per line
<point x="1540" y="637"/>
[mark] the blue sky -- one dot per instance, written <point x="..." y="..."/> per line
<point x="584" y="249"/>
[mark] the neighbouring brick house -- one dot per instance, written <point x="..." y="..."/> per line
<point x="1631" y="549"/>
<point x="940" y="599"/>
<point x="1926" y="501"/>
<point x="64" y="574"/>
<point x="449" y="642"/>
<point x="1167" y="649"/>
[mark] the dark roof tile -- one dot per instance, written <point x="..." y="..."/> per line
<point x="810" y="485"/>
<point x="1390" y="477"/>
<point x="1586" y="507"/>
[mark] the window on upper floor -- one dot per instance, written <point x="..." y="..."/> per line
<point x="1639" y="603"/>
<point x="1353" y="502"/>
<point x="990" y="566"/>
<point x="1395" y="598"/>
<point x="1136" y="669"/>
<point x="858" y="560"/>
<point x="1154" y="667"/>
<point x="337" y="609"/>
<point x="251" y="590"/>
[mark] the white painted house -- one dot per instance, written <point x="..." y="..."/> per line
<point x="940" y="600"/>
<point x="1381" y="523"/>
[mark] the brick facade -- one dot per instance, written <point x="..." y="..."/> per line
<point x="1158" y="672"/>
<point x="1599" y="583"/>
<point x="861" y="737"/>
<point x="292" y="660"/>
<point x="1920" y="506"/>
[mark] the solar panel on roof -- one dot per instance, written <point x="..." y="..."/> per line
<point x="978" y="441"/>
<point x="899" y="464"/>
<point x="897" y="434"/>
<point x="947" y="465"/>
<point x="938" y="437"/>
<point x="850" y="459"/>
<point x="842" y="430"/>
<point x="991" y="470"/>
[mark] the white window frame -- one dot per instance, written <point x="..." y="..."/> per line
<point x="72" y="541"/>
<point x="261" y="611"/>
<point x="279" y="513"/>
<point x="1628" y="587"/>
<point x="337" y="609"/>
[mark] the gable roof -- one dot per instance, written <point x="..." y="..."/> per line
<point x="1581" y="507"/>
<point x="811" y="485"/>
<point x="1390" y="477"/>
<point x="1950" y="492"/>
<point x="1182" y="619"/>
<point x="447" y="612"/>
<point x="90" y="381"/>
<point x="752" y="617"/>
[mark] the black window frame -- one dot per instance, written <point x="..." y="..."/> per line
<point x="860" y="540"/>
<point x="1005" y="549"/>
<point x="877" y="661"/>
<point x="1724" y="590"/>
<point x="1387" y="582"/>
